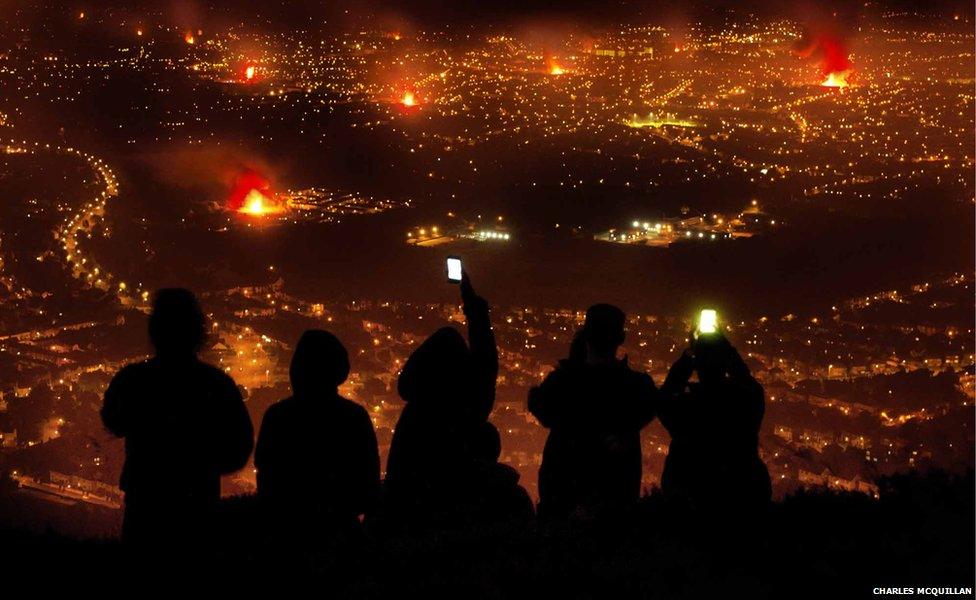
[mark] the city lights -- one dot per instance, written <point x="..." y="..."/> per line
<point x="809" y="183"/>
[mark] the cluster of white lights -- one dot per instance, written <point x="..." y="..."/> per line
<point x="494" y="235"/>
<point x="646" y="226"/>
<point x="711" y="236"/>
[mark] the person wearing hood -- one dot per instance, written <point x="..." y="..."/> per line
<point x="443" y="448"/>
<point x="318" y="466"/>
<point x="594" y="406"/>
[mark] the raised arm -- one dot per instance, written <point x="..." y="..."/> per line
<point x="749" y="390"/>
<point x="484" y="351"/>
<point x="678" y="375"/>
<point x="738" y="369"/>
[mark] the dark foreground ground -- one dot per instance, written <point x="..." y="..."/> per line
<point x="919" y="533"/>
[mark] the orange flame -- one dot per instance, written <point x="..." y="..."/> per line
<point x="257" y="204"/>
<point x="837" y="79"/>
<point x="189" y="39"/>
<point x="249" y="72"/>
<point x="553" y="67"/>
<point x="408" y="99"/>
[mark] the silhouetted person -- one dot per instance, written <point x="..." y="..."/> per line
<point x="444" y="451"/>
<point x="184" y="424"/>
<point x="494" y="496"/>
<point x="595" y="407"/>
<point x="713" y="460"/>
<point x="317" y="459"/>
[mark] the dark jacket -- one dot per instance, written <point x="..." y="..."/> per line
<point x="592" y="457"/>
<point x="714" y="429"/>
<point x="185" y="425"/>
<point x="449" y="391"/>
<point x="317" y="461"/>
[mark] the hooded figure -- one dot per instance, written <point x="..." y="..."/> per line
<point x="317" y="458"/>
<point x="443" y="447"/>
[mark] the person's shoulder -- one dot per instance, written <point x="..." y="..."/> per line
<point x="557" y="379"/>
<point x="215" y="374"/>
<point x="134" y="368"/>
<point x="278" y="409"/>
<point x="566" y="369"/>
<point x="353" y="409"/>
<point x="633" y="375"/>
<point x="133" y="372"/>
<point x="641" y="378"/>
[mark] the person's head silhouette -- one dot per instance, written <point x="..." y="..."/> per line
<point x="438" y="369"/>
<point x="487" y="442"/>
<point x="320" y="363"/>
<point x="176" y="325"/>
<point x="603" y="330"/>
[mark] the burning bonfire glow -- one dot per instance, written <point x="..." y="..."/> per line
<point x="189" y="39"/>
<point x="252" y="196"/>
<point x="249" y="72"/>
<point x="257" y="204"/>
<point x="553" y="67"/>
<point x="837" y="79"/>
<point x="408" y="99"/>
<point x="832" y="53"/>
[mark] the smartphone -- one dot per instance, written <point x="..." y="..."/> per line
<point x="707" y="321"/>
<point x="454" y="269"/>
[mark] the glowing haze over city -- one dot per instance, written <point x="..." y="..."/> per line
<point x="809" y="174"/>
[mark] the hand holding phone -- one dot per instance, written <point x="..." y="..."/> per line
<point x="455" y="270"/>
<point x="473" y="303"/>
<point x="707" y="322"/>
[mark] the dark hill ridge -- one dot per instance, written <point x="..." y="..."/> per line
<point x="920" y="532"/>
